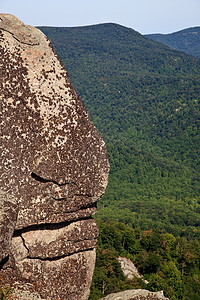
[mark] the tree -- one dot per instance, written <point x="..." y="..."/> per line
<point x="151" y="264"/>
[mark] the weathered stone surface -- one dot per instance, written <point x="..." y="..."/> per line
<point x="58" y="279"/>
<point x="136" y="295"/>
<point x="7" y="217"/>
<point x="57" y="241"/>
<point x="53" y="169"/>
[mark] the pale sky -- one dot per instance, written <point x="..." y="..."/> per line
<point x="145" y="16"/>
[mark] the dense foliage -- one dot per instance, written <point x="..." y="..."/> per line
<point x="187" y="40"/>
<point x="144" y="99"/>
<point x="168" y="263"/>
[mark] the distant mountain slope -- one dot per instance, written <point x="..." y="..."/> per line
<point x="187" y="40"/>
<point x="144" y="99"/>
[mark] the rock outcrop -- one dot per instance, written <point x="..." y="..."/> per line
<point x="53" y="170"/>
<point x="129" y="269"/>
<point x="138" y="294"/>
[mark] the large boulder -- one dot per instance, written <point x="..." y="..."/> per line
<point x="129" y="269"/>
<point x="138" y="294"/>
<point x="53" y="170"/>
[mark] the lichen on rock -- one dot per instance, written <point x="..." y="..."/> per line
<point x="137" y="294"/>
<point x="54" y="168"/>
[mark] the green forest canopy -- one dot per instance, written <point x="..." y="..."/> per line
<point x="186" y="40"/>
<point x="144" y="99"/>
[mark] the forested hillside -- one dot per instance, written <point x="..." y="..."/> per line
<point x="187" y="40"/>
<point x="168" y="263"/>
<point x="144" y="99"/>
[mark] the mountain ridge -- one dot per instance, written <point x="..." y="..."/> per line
<point x="186" y="40"/>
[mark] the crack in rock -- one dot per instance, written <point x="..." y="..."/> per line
<point x="43" y="180"/>
<point x="59" y="257"/>
<point x="24" y="243"/>
<point x="17" y="39"/>
<point x="47" y="226"/>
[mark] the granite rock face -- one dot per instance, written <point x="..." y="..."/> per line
<point x="53" y="170"/>
<point x="129" y="269"/>
<point x="138" y="294"/>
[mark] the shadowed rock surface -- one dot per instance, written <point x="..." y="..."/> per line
<point x="53" y="170"/>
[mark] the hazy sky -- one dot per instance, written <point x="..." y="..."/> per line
<point x="145" y="16"/>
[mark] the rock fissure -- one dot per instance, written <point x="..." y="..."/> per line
<point x="43" y="180"/>
<point x="47" y="226"/>
<point x="59" y="257"/>
<point x="24" y="243"/>
<point x="4" y="261"/>
<point x="17" y="39"/>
